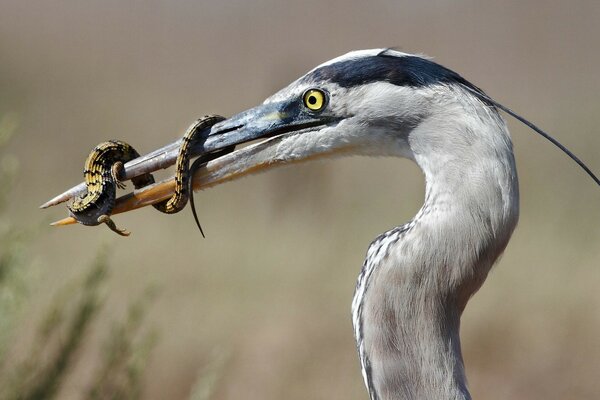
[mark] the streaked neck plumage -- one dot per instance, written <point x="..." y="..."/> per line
<point x="417" y="278"/>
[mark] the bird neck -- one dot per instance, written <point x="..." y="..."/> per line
<point x="417" y="278"/>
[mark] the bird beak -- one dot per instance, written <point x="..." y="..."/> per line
<point x="265" y="121"/>
<point x="277" y="124"/>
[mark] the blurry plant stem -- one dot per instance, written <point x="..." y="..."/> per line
<point x="209" y="377"/>
<point x="13" y="242"/>
<point x="40" y="376"/>
<point x="66" y="322"/>
<point x="63" y="329"/>
<point x="125" y="359"/>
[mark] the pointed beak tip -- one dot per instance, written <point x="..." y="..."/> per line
<point x="64" y="222"/>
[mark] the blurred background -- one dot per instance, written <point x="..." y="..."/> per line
<point x="260" y="309"/>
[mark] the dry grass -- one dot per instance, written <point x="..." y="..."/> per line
<point x="272" y="283"/>
<point x="39" y="372"/>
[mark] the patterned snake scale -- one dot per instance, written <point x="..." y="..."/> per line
<point x="104" y="170"/>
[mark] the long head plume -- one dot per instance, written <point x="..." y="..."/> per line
<point x="283" y="119"/>
<point x="480" y="94"/>
<point x="531" y="125"/>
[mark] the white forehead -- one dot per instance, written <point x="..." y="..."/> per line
<point x="353" y="55"/>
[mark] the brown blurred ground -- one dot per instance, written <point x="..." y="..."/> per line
<point x="272" y="283"/>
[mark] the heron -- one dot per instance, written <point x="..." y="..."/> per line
<point x="417" y="278"/>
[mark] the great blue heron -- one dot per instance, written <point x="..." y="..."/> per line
<point x="417" y="278"/>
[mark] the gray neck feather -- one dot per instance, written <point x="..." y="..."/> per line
<point x="417" y="278"/>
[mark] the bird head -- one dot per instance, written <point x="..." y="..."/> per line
<point x="377" y="102"/>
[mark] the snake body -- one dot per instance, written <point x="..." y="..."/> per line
<point x="180" y="198"/>
<point x="104" y="170"/>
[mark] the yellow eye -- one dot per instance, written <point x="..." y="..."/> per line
<point x="315" y="99"/>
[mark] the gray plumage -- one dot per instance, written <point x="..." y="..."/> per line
<point x="418" y="277"/>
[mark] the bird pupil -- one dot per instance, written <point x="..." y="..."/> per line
<point x="312" y="100"/>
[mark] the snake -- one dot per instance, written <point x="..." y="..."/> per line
<point x="104" y="171"/>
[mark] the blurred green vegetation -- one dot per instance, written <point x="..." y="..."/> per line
<point x="13" y="239"/>
<point x="210" y="376"/>
<point x="273" y="280"/>
<point x="66" y="322"/>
